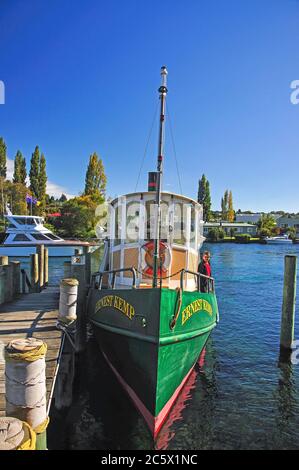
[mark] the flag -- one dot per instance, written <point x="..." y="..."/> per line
<point x="32" y="200"/>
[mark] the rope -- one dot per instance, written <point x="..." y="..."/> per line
<point x="174" y="149"/>
<point x="146" y="146"/>
<point x="178" y="308"/>
<point x="42" y="427"/>
<point x="29" y="349"/>
<point x="16" y="435"/>
<point x="160" y="277"/>
<point x="29" y="441"/>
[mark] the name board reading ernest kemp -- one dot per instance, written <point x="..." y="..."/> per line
<point x="2" y="92"/>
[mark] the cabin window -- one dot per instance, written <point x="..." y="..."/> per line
<point x="192" y="228"/>
<point x="165" y="222"/>
<point x="117" y="225"/>
<point x="39" y="236"/>
<point x="132" y="222"/>
<point x="52" y="236"/>
<point x="25" y="221"/>
<point x="20" y="221"/>
<point x="149" y="219"/>
<point x="21" y="237"/>
<point x="179" y="225"/>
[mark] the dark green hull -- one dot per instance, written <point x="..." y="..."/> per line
<point x="152" y="358"/>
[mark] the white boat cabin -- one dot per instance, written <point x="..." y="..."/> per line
<point x="131" y="233"/>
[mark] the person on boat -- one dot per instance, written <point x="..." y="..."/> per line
<point x="204" y="267"/>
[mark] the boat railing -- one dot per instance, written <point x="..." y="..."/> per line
<point x="210" y="280"/>
<point x="98" y="277"/>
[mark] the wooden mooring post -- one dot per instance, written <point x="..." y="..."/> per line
<point x="46" y="266"/>
<point x="289" y="302"/>
<point x="34" y="277"/>
<point x="40" y="250"/>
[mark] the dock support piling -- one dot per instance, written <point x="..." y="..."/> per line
<point x="87" y="255"/>
<point x="16" y="277"/>
<point x="34" y="272"/>
<point x="79" y="273"/>
<point x="40" y="249"/>
<point x="46" y="266"/>
<point x="3" y="260"/>
<point x="289" y="302"/>
<point x="9" y="285"/>
<point x="25" y="385"/>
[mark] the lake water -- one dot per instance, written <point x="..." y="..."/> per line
<point x="242" y="397"/>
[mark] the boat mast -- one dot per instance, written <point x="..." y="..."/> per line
<point x="163" y="91"/>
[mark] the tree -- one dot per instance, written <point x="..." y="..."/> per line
<point x="63" y="198"/>
<point x="42" y="183"/>
<point x="224" y="206"/>
<point x="215" y="234"/>
<point x="230" y="212"/>
<point x="23" y="172"/>
<point x="3" y="168"/>
<point x="20" y="173"/>
<point x="204" y="197"/>
<point x="78" y="217"/>
<point x="95" y="179"/>
<point x="34" y="172"/>
<point x="14" y="196"/>
<point x="266" y="225"/>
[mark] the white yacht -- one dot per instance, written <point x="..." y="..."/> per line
<point x="23" y="233"/>
<point x="281" y="239"/>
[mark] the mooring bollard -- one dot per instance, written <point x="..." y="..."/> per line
<point x="25" y="385"/>
<point x="68" y="300"/>
<point x="40" y="249"/>
<point x="16" y="435"/>
<point x="289" y="302"/>
<point x="34" y="272"/>
<point x="46" y="266"/>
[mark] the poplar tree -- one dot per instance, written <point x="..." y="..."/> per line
<point x="34" y="172"/>
<point x="231" y="212"/>
<point x="95" y="179"/>
<point x="3" y="168"/>
<point x="224" y="206"/>
<point x="20" y="173"/>
<point x="204" y="197"/>
<point x="23" y="171"/>
<point x="42" y="182"/>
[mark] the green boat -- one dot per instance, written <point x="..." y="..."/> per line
<point x="149" y="316"/>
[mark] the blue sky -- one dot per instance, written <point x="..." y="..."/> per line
<point x="82" y="76"/>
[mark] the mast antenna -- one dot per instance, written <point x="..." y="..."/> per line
<point x="163" y="92"/>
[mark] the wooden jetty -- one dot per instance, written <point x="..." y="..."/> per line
<point x="32" y="315"/>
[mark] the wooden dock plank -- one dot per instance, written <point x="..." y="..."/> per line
<point x="31" y="315"/>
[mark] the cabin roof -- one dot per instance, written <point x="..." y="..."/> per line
<point x="152" y="193"/>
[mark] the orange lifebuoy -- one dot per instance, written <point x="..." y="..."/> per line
<point x="147" y="260"/>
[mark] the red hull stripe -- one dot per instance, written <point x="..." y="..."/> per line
<point x="154" y="423"/>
